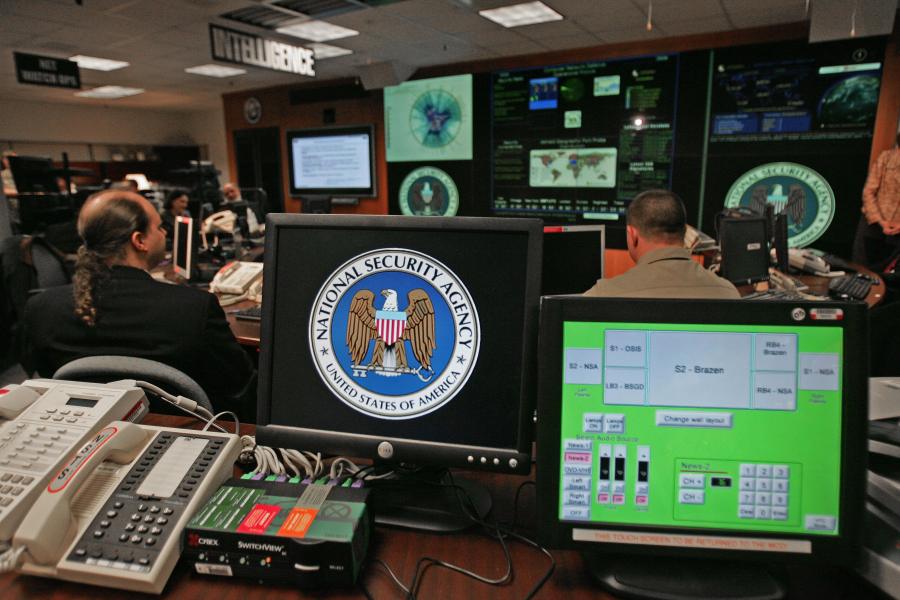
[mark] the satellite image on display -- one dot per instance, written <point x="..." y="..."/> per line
<point x="852" y="101"/>
<point x="429" y="119"/>
<point x="584" y="167"/>
<point x="435" y="118"/>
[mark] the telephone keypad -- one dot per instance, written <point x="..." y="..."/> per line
<point x="27" y="447"/>
<point x="137" y="530"/>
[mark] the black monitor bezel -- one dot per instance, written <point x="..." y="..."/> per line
<point x="515" y="459"/>
<point x="183" y="247"/>
<point x="730" y="251"/>
<point x="369" y="192"/>
<point x="555" y="533"/>
<point x="600" y="254"/>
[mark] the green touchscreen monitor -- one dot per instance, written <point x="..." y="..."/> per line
<point x="721" y="428"/>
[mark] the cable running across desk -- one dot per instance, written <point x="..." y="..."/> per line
<point x="492" y="529"/>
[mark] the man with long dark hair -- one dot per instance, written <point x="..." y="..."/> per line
<point x="115" y="307"/>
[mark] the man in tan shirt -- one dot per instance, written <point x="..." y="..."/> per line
<point x="877" y="237"/>
<point x="655" y="225"/>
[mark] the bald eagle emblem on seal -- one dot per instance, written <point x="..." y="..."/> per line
<point x="390" y="328"/>
<point x="394" y="333"/>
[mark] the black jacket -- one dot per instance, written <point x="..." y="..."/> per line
<point x="138" y="316"/>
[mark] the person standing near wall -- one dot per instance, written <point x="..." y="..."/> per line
<point x="878" y="235"/>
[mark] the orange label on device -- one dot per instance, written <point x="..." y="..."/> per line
<point x="259" y="519"/>
<point x="298" y="521"/>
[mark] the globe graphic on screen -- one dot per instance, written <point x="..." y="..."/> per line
<point x="850" y="101"/>
<point x="572" y="89"/>
<point x="435" y="118"/>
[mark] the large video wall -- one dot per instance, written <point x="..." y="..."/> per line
<point x="788" y="125"/>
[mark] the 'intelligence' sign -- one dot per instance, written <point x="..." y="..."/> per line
<point x="233" y="46"/>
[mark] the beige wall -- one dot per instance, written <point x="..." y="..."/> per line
<point x="48" y="129"/>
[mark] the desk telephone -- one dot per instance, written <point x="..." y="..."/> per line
<point x="237" y="278"/>
<point x="109" y="508"/>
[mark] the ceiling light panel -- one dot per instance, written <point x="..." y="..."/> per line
<point x="317" y="31"/>
<point x="211" y="70"/>
<point x="109" y="92"/>
<point x="517" y="15"/>
<point x="322" y="51"/>
<point x="98" y="64"/>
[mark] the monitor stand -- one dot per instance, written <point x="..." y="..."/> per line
<point x="427" y="501"/>
<point x="666" y="578"/>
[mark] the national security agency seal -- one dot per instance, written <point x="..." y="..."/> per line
<point x="427" y="192"/>
<point x="792" y="189"/>
<point x="252" y="110"/>
<point x="394" y="333"/>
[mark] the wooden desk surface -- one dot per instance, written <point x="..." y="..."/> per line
<point x="246" y="331"/>
<point x="401" y="550"/>
<point x="819" y="285"/>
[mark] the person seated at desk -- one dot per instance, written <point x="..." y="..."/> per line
<point x="115" y="307"/>
<point x="655" y="227"/>
<point x="231" y="194"/>
<point x="175" y="205"/>
<point x="232" y="200"/>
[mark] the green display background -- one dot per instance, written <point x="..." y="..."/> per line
<point x="807" y="439"/>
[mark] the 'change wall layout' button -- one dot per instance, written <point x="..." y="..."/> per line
<point x="684" y="418"/>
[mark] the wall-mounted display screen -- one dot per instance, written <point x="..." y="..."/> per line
<point x="817" y="97"/>
<point x="790" y="126"/>
<point x="577" y="142"/>
<point x="332" y="161"/>
<point x="429" y="119"/>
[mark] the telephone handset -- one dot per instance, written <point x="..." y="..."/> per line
<point x="236" y="277"/>
<point x="808" y="261"/>
<point x="46" y="429"/>
<point x="14" y="399"/>
<point x="113" y="515"/>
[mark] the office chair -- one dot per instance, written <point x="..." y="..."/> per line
<point x="6" y="225"/>
<point x="48" y="264"/>
<point x="105" y="369"/>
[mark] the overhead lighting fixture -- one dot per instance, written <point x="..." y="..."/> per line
<point x="327" y="50"/>
<point x="517" y="15"/>
<point x="108" y="92"/>
<point x="211" y="70"/>
<point x="650" y="16"/>
<point x="317" y="31"/>
<point x="98" y="64"/>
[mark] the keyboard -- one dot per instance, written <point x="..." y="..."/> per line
<point x="851" y="286"/>
<point x="252" y="313"/>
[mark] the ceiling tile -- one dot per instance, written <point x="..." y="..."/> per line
<point x="10" y="23"/>
<point x="674" y="11"/>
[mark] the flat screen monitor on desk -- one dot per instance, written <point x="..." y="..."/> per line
<point x="573" y="258"/>
<point x="403" y="340"/>
<point x="33" y="175"/>
<point x="334" y="161"/>
<point x="183" y="249"/>
<point x="701" y="429"/>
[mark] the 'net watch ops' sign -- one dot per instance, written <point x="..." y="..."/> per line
<point x="45" y="70"/>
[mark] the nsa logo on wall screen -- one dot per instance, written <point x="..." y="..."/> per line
<point x="394" y="333"/>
